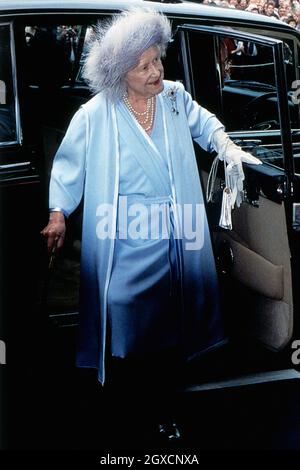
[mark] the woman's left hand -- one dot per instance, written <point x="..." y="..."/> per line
<point x="235" y="155"/>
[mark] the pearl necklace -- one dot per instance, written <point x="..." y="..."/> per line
<point x="149" y="113"/>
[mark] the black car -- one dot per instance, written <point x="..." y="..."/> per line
<point x="254" y="91"/>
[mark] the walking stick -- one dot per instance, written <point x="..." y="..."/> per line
<point x="47" y="278"/>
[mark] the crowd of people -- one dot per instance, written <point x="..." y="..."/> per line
<point x="287" y="11"/>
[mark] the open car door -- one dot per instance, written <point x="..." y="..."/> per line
<point x="244" y="79"/>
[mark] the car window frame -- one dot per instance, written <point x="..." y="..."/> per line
<point x="18" y="140"/>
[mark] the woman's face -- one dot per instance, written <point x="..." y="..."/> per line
<point x="146" y="79"/>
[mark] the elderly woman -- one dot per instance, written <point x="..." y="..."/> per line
<point x="149" y="290"/>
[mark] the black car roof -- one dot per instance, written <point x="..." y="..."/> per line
<point x="185" y="8"/>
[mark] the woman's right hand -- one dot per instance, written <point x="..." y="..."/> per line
<point x="55" y="230"/>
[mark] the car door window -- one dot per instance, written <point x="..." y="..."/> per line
<point x="249" y="95"/>
<point x="249" y="87"/>
<point x="9" y="129"/>
<point x="52" y="54"/>
<point x="244" y="72"/>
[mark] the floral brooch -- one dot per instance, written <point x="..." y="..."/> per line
<point x="171" y="94"/>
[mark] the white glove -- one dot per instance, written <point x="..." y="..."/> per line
<point x="234" y="156"/>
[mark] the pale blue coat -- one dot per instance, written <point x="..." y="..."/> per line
<point x="101" y="138"/>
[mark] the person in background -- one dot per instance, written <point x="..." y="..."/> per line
<point x="290" y="20"/>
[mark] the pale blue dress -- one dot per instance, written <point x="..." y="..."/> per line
<point x="144" y="290"/>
